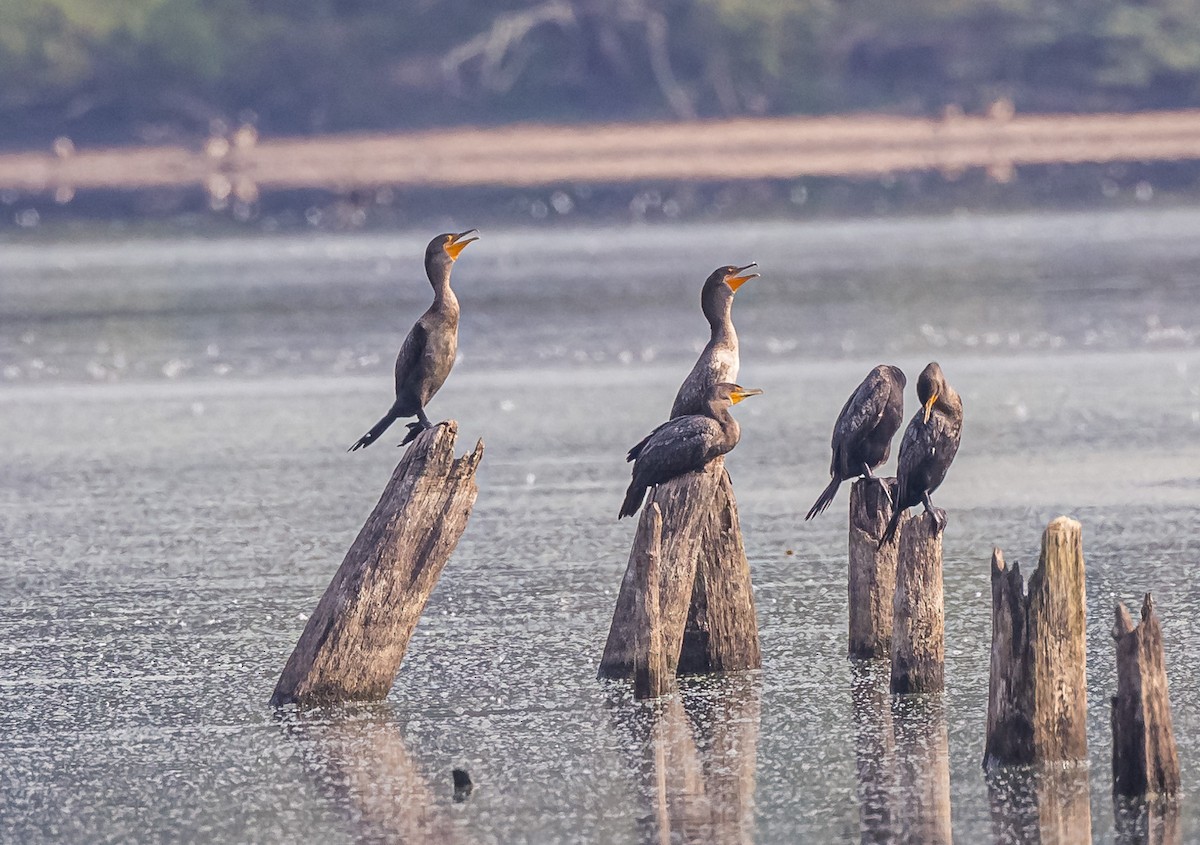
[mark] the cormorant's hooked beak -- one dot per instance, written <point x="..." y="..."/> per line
<point x="457" y="244"/>
<point x="739" y="395"/>
<point x="929" y="406"/>
<point x="736" y="282"/>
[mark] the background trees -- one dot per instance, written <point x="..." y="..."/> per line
<point x="155" y="70"/>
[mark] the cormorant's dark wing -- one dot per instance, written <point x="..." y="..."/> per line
<point x="864" y="410"/>
<point x="679" y="446"/>
<point x="914" y="450"/>
<point x="411" y="352"/>
<point x="633" y="453"/>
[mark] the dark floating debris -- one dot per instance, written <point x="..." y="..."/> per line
<point x="462" y="784"/>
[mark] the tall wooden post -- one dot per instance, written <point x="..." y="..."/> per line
<point x="1037" y="701"/>
<point x="918" y="620"/>
<point x="650" y="676"/>
<point x="872" y="570"/>
<point x="707" y="612"/>
<point x="355" y="640"/>
<point x="1145" y="758"/>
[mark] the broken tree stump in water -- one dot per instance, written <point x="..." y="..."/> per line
<point x="1037" y="690"/>
<point x="706" y="603"/>
<point x="355" y="640"/>
<point x="1145" y="758"/>
<point x="872" y="570"/>
<point x="918" y="615"/>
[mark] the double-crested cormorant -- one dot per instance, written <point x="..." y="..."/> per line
<point x="929" y="446"/>
<point x="428" y="352"/>
<point x="685" y="444"/>
<point x="862" y="435"/>
<point x="719" y="361"/>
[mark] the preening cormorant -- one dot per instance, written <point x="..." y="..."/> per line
<point x="685" y="444"/>
<point x="428" y="352"/>
<point x="862" y="435"/>
<point x="719" y="361"/>
<point x="929" y="445"/>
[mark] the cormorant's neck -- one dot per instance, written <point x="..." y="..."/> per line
<point x="439" y="277"/>
<point x="720" y="319"/>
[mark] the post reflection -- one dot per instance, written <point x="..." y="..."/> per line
<point x="1035" y="805"/>
<point x="360" y="762"/>
<point x="1146" y="821"/>
<point x="694" y="758"/>
<point x="903" y="761"/>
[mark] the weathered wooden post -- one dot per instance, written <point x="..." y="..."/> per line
<point x="1037" y="692"/>
<point x="355" y="640"/>
<point x="707" y="612"/>
<point x="1145" y="759"/>
<point x="650" y="676"/>
<point x="918" y="615"/>
<point x="872" y="571"/>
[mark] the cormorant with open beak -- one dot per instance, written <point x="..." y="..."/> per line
<point x="719" y="361"/>
<point x="428" y="352"/>
<point x="928" y="448"/>
<point x="686" y="444"/>
<point x="862" y="435"/>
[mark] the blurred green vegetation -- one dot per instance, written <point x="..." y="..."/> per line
<point x="162" y="70"/>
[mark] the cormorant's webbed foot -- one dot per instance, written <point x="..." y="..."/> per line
<point x="414" y="428"/>
<point x="938" y="514"/>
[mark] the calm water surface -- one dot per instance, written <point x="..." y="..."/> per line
<point x="175" y="494"/>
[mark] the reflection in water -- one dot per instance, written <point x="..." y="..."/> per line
<point x="903" y="761"/>
<point x="1047" y="805"/>
<point x="1142" y="821"/>
<point x="359" y="760"/>
<point x="697" y="757"/>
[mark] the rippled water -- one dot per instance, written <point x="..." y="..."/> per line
<point x="175" y="494"/>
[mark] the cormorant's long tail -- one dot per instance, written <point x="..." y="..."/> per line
<point x="376" y="430"/>
<point x="890" y="534"/>
<point x="826" y="497"/>
<point x="633" y="499"/>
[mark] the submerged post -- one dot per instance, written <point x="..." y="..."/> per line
<point x="872" y="578"/>
<point x="1037" y="691"/>
<point x="355" y="640"/>
<point x="918" y="615"/>
<point x="1145" y="758"/>
<point x="707" y="612"/>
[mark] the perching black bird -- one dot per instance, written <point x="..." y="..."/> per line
<point x="929" y="446"/>
<point x="862" y="435"/>
<point x="685" y="444"/>
<point x="428" y="352"/>
<point x="719" y="361"/>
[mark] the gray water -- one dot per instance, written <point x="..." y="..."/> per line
<point x="175" y="494"/>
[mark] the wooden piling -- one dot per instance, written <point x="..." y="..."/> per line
<point x="872" y="571"/>
<point x="918" y="615"/>
<point x="650" y="676"/>
<point x="1145" y="758"/>
<point x="721" y="634"/>
<point x="707" y="611"/>
<point x="1037" y="701"/>
<point x="355" y="640"/>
